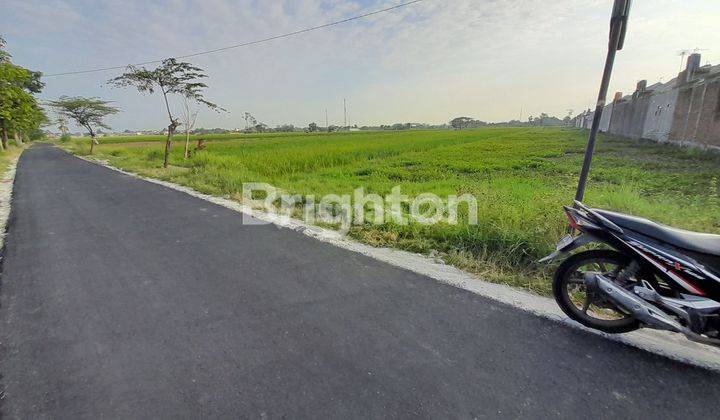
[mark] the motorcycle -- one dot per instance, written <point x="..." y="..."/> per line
<point x="652" y="275"/>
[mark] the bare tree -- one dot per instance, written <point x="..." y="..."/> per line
<point x="189" y="117"/>
<point x="171" y="77"/>
<point x="86" y="112"/>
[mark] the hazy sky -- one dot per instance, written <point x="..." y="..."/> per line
<point x="427" y="62"/>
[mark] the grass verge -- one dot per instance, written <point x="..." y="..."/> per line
<point x="9" y="155"/>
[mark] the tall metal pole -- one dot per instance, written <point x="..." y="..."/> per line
<point x="683" y="53"/>
<point x="618" y="26"/>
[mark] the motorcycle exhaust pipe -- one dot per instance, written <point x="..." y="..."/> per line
<point x="640" y="309"/>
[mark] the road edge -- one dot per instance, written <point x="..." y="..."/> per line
<point x="7" y="183"/>
<point x="671" y="345"/>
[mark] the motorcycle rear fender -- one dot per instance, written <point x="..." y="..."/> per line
<point x="568" y="245"/>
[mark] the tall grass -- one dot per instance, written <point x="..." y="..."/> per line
<point x="520" y="176"/>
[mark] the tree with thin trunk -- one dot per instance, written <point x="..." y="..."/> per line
<point x="62" y="125"/>
<point x="19" y="110"/>
<point x="250" y="121"/>
<point x="86" y="112"/>
<point x="189" y="117"/>
<point x="171" y="77"/>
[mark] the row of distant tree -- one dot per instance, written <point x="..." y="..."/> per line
<point x="544" y="120"/>
<point x="253" y="126"/>
<point x="459" y="123"/>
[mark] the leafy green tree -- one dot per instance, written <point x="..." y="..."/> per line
<point x="19" y="111"/>
<point x="171" y="77"/>
<point x="462" y="122"/>
<point x="86" y="112"/>
<point x="27" y="118"/>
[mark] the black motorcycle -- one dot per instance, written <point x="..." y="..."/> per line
<point x="654" y="276"/>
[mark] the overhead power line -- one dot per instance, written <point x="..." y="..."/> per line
<point x="244" y="44"/>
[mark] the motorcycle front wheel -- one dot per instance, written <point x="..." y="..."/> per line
<point x="583" y="306"/>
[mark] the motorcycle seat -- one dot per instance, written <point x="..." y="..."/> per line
<point x="703" y="243"/>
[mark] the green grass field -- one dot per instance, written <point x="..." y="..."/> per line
<point x="209" y="137"/>
<point x="520" y="176"/>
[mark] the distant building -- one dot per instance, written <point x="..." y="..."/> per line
<point x="584" y="120"/>
<point x="685" y="110"/>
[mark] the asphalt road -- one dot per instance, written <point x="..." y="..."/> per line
<point x="124" y="299"/>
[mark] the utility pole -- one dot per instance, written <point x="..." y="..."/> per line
<point x="327" y="124"/>
<point x="345" y="106"/>
<point x="618" y="28"/>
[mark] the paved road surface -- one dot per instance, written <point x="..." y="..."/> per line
<point x="121" y="298"/>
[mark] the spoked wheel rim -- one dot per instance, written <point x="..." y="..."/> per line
<point x="586" y="304"/>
